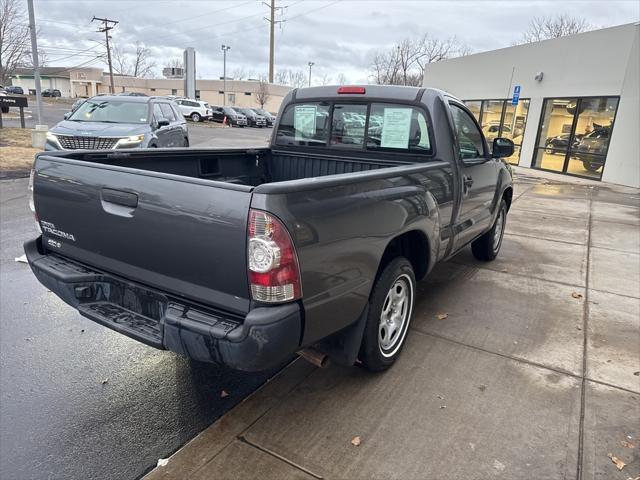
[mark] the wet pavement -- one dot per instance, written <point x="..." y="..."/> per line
<point x="78" y="400"/>
<point x="534" y="373"/>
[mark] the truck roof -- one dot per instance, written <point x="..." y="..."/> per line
<point x="387" y="92"/>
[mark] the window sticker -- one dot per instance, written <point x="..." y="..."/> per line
<point x="395" y="130"/>
<point x="304" y="121"/>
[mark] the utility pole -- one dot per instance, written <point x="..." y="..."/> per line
<point x="224" y="73"/>
<point x="36" y="63"/>
<point x="311" y="64"/>
<point x="272" y="24"/>
<point x="106" y="26"/>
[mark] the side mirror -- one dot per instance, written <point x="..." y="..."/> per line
<point x="67" y="115"/>
<point x="163" y="122"/>
<point x="502" y="147"/>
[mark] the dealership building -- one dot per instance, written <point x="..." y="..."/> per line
<point x="571" y="105"/>
<point x="87" y="82"/>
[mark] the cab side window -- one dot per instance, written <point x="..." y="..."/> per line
<point x="167" y="112"/>
<point x="470" y="141"/>
<point x="157" y="113"/>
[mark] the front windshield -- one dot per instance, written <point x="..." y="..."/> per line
<point x="111" y="111"/>
<point x="230" y="111"/>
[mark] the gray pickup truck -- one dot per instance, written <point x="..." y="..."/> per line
<point x="246" y="256"/>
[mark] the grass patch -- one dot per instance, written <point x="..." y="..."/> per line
<point x="16" y="152"/>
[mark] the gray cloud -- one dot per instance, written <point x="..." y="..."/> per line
<point x="340" y="37"/>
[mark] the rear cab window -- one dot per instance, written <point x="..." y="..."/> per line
<point x="382" y="127"/>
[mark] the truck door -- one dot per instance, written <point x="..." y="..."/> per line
<point x="479" y="177"/>
<point x="162" y="133"/>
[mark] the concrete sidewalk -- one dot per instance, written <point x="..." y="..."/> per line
<point x="534" y="374"/>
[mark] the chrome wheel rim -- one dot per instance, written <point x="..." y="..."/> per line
<point x="498" y="231"/>
<point x="395" y="315"/>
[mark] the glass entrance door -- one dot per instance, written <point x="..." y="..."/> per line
<point x="574" y="133"/>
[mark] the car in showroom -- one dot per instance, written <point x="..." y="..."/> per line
<point x="196" y="110"/>
<point x="14" y="90"/>
<point x="591" y="149"/>
<point x="270" y="117"/>
<point x="233" y="117"/>
<point x="120" y="122"/>
<point x="559" y="143"/>
<point x="253" y="119"/>
<point x="51" y="92"/>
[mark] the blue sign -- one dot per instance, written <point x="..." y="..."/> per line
<point x="516" y="95"/>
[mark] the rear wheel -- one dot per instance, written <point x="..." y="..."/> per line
<point x="390" y="310"/>
<point x="195" y="117"/>
<point x="486" y="247"/>
<point x="590" y="167"/>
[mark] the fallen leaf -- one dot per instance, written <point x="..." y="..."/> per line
<point x="223" y="394"/>
<point x="106" y="380"/>
<point x="440" y="397"/>
<point x="576" y="295"/>
<point x="442" y="316"/>
<point x="637" y="374"/>
<point x="21" y="259"/>
<point x="443" y="406"/>
<point x="505" y="270"/>
<point x="627" y="444"/>
<point x="482" y="387"/>
<point x="356" y="441"/>
<point x="619" y="463"/>
<point x="162" y="462"/>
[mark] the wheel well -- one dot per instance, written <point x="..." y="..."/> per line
<point x="507" y="195"/>
<point x="412" y="245"/>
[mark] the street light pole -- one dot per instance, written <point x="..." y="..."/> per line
<point x="36" y="65"/>
<point x="224" y="73"/>
<point x="311" y="64"/>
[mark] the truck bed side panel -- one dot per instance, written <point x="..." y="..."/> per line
<point x="341" y="228"/>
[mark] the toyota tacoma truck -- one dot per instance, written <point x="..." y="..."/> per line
<point x="244" y="257"/>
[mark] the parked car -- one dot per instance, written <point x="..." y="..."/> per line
<point x="14" y="90"/>
<point x="196" y="110"/>
<point x="269" y="117"/>
<point x="253" y="119"/>
<point x="3" y="93"/>
<point x="234" y="118"/>
<point x="132" y="94"/>
<point x="244" y="257"/>
<point x="120" y="122"/>
<point x="51" y="92"/>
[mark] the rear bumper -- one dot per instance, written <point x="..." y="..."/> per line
<point x="265" y="338"/>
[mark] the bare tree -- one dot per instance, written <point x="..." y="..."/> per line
<point x="292" y="78"/>
<point x="239" y="74"/>
<point x="342" y="79"/>
<point x="263" y="95"/>
<point x="174" y="63"/>
<point x="544" y="28"/>
<point x="14" y="39"/>
<point x="404" y="63"/>
<point x="325" y="79"/>
<point x="137" y="64"/>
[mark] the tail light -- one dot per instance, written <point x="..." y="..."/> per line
<point x="274" y="274"/>
<point x="351" y="90"/>
<point x="32" y="205"/>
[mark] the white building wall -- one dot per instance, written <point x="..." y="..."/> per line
<point x="623" y="158"/>
<point x="598" y="63"/>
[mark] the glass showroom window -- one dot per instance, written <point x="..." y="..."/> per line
<point x="574" y="134"/>
<point x="499" y="118"/>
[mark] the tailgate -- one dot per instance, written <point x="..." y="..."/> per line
<point x="182" y="235"/>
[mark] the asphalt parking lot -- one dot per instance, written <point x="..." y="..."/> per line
<point x="78" y="400"/>
<point x="527" y="367"/>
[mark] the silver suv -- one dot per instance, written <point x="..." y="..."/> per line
<point x="116" y="122"/>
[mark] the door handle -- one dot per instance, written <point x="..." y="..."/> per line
<point x="119" y="197"/>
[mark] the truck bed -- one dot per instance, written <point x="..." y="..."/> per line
<point x="251" y="167"/>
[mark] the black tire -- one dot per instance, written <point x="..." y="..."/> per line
<point x="590" y="167"/>
<point x="5" y="109"/>
<point x="487" y="247"/>
<point x="195" y="117"/>
<point x="186" y="142"/>
<point x="373" y="354"/>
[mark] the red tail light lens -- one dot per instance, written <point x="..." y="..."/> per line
<point x="274" y="275"/>
<point x="352" y="90"/>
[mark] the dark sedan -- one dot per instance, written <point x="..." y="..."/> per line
<point x="271" y="118"/>
<point x="253" y="119"/>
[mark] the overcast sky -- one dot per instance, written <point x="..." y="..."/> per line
<point x="339" y="36"/>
